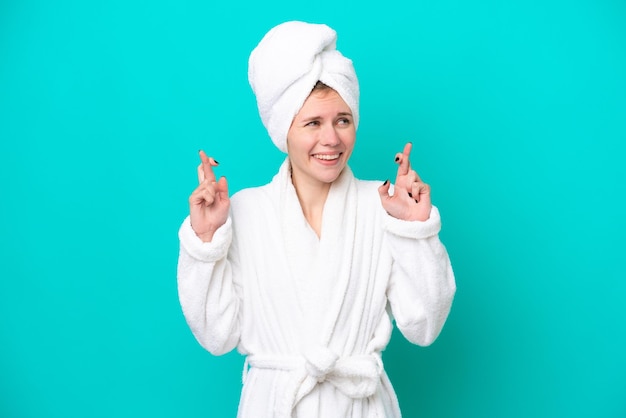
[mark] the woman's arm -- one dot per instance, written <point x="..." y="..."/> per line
<point x="422" y="286"/>
<point x="208" y="294"/>
<point x="208" y="291"/>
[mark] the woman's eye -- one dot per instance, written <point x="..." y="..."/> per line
<point x="313" y="123"/>
<point x="343" y="121"/>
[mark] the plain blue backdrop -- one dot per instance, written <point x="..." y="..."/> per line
<point x="517" y="112"/>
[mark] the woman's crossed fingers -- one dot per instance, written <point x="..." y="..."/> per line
<point x="209" y="203"/>
<point x="411" y="198"/>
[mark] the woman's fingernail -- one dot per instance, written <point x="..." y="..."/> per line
<point x="385" y="183"/>
<point x="215" y="161"/>
<point x="397" y="159"/>
<point x="410" y="195"/>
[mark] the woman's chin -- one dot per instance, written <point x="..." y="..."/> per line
<point x="330" y="175"/>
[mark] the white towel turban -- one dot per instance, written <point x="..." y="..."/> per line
<point x="285" y="66"/>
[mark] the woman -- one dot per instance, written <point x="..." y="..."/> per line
<point x="304" y="274"/>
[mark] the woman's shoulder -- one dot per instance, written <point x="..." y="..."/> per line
<point x="252" y="196"/>
<point x="368" y="189"/>
<point x="369" y="197"/>
<point x="259" y="194"/>
<point x="368" y="184"/>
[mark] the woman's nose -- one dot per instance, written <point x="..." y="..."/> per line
<point x="330" y="136"/>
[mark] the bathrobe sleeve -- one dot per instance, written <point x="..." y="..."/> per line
<point x="209" y="294"/>
<point x="421" y="286"/>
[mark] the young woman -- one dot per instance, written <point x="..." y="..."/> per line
<point x="305" y="274"/>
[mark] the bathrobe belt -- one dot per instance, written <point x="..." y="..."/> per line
<point x="355" y="376"/>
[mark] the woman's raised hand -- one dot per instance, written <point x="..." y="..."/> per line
<point x="411" y="196"/>
<point x="209" y="203"/>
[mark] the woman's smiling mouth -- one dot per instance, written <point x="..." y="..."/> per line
<point x="326" y="157"/>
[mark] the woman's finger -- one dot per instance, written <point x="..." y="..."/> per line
<point x="197" y="198"/>
<point x="407" y="149"/>
<point x="419" y="191"/>
<point x="200" y="173"/>
<point x="207" y="166"/>
<point x="204" y="194"/>
<point x="411" y="178"/>
<point x="383" y="190"/>
<point x="209" y="199"/>
<point x="222" y="186"/>
<point x="404" y="160"/>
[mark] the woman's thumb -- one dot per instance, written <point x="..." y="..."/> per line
<point x="383" y="190"/>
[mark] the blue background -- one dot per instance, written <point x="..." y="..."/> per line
<point x="517" y="112"/>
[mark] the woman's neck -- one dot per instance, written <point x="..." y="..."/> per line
<point x="312" y="197"/>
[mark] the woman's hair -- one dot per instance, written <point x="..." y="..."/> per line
<point x="319" y="86"/>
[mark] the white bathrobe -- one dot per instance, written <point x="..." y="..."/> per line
<point x="313" y="315"/>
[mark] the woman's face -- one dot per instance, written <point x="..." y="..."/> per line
<point x="320" y="139"/>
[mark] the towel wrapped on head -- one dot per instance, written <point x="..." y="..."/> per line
<point x="285" y="66"/>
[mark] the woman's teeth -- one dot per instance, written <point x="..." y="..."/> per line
<point x="326" y="156"/>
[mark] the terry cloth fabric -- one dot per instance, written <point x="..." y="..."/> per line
<point x="312" y="313"/>
<point x="285" y="66"/>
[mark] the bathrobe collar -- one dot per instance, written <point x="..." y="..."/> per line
<point x="329" y="274"/>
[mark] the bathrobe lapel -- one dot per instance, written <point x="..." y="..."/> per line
<point x="336" y="247"/>
<point x="319" y="270"/>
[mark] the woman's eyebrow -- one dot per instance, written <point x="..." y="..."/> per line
<point x="310" y="118"/>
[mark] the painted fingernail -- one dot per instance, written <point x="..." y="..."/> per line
<point x="410" y="195"/>
<point x="385" y="183"/>
<point x="215" y="161"/>
<point x="397" y="159"/>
